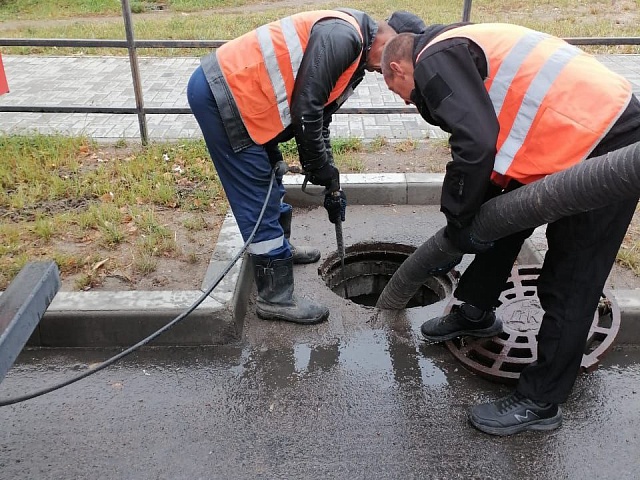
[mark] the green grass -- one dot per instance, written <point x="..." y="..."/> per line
<point x="195" y="224"/>
<point x="199" y="19"/>
<point x="61" y="9"/>
<point x="407" y="145"/>
<point x="629" y="256"/>
<point x="39" y="9"/>
<point x="55" y="192"/>
<point x="343" y="150"/>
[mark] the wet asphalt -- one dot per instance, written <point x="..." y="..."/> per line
<point x="358" y="397"/>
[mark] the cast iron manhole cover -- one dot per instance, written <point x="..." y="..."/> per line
<point x="369" y="267"/>
<point x="503" y="357"/>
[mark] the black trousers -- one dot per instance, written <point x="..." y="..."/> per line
<point x="581" y="251"/>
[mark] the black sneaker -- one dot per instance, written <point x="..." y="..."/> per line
<point x="514" y="414"/>
<point x="456" y="324"/>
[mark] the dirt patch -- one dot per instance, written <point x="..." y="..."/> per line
<point x="430" y="156"/>
<point x="118" y="268"/>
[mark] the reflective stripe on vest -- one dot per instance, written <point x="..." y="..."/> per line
<point x="554" y="102"/>
<point x="269" y="55"/>
<point x="261" y="66"/>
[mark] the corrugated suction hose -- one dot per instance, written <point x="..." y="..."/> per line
<point x="592" y="184"/>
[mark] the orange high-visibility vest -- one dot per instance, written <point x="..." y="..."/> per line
<point x="554" y="102"/>
<point x="4" y="87"/>
<point x="261" y="66"/>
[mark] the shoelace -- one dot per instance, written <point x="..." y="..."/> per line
<point x="514" y="399"/>
<point x="509" y="402"/>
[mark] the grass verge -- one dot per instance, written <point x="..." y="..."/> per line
<point x="98" y="210"/>
<point x="66" y="198"/>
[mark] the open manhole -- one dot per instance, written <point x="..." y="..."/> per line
<point x="368" y="267"/>
<point x="503" y="357"/>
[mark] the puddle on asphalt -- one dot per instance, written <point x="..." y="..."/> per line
<point x="378" y="353"/>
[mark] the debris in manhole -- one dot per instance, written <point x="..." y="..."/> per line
<point x="368" y="268"/>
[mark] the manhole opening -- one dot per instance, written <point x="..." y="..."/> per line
<point x="368" y="267"/>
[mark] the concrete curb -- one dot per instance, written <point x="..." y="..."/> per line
<point x="100" y="319"/>
<point x="372" y="189"/>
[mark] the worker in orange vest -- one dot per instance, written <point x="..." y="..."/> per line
<point x="283" y="80"/>
<point x="519" y="105"/>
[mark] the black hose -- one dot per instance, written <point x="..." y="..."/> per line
<point x="156" y="334"/>
<point x="589" y="185"/>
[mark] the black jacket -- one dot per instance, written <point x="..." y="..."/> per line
<point x="450" y="93"/>
<point x="333" y="46"/>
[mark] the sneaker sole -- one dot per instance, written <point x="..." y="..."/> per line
<point x="491" y="331"/>
<point x="545" y="424"/>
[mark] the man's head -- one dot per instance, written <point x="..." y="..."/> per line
<point x="397" y="65"/>
<point x="374" y="56"/>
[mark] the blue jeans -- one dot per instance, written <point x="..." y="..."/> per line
<point x="245" y="175"/>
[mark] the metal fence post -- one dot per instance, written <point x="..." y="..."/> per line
<point x="466" y="11"/>
<point x="135" y="71"/>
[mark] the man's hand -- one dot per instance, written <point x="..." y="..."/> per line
<point x="328" y="176"/>
<point x="281" y="168"/>
<point x="463" y="240"/>
<point x="336" y="205"/>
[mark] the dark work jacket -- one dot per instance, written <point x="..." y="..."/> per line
<point x="450" y="93"/>
<point x="333" y="43"/>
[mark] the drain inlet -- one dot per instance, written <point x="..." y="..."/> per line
<point x="368" y="267"/>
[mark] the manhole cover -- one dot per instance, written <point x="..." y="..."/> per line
<point x="368" y="269"/>
<point x="503" y="357"/>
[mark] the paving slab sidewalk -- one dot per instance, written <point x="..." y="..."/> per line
<point x="106" y="82"/>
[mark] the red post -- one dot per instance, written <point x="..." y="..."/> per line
<point x="4" y="87"/>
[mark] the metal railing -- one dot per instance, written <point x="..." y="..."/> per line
<point x="132" y="45"/>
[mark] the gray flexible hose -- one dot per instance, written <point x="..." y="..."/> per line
<point x="589" y="185"/>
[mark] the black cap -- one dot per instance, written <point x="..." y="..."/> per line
<point x="405" y="22"/>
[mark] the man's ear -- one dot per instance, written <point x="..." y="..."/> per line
<point x="397" y="69"/>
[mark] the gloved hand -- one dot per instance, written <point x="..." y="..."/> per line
<point x="336" y="205"/>
<point x="328" y="176"/>
<point x="281" y="168"/>
<point x="464" y="241"/>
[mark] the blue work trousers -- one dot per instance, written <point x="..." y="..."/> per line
<point x="245" y="175"/>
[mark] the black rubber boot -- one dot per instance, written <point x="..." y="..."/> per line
<point x="514" y="414"/>
<point x="276" y="301"/>
<point x="463" y="319"/>
<point x="300" y="254"/>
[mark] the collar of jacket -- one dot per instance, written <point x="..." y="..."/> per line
<point x="429" y="34"/>
<point x="368" y="28"/>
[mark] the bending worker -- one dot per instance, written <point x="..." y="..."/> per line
<point x="519" y="105"/>
<point x="283" y="80"/>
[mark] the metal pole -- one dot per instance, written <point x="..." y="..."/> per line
<point x="466" y="11"/>
<point x="135" y="71"/>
